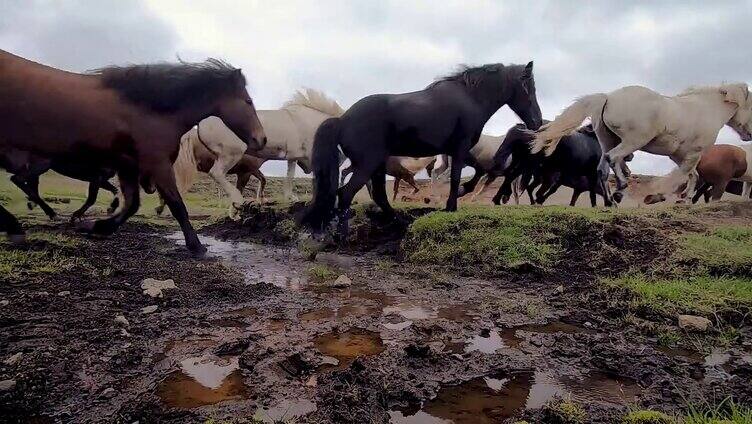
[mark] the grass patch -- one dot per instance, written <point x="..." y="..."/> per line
<point x="727" y="412"/>
<point x="321" y="274"/>
<point x="565" y="412"/>
<point x="698" y="295"/>
<point x="725" y="250"/>
<point x="482" y="239"/>
<point x="18" y="264"/>
<point x="647" y="417"/>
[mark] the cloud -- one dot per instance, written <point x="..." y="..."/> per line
<point x="353" y="49"/>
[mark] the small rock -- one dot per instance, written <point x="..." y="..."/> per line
<point x="149" y="309"/>
<point x="64" y="293"/>
<point x="14" y="359"/>
<point x="694" y="323"/>
<point x="559" y="289"/>
<point x="4" y="302"/>
<point x="341" y="282"/>
<point x="312" y="381"/>
<point x="43" y="293"/>
<point x="107" y="393"/>
<point x="155" y="288"/>
<point x="122" y="320"/>
<point x="589" y="324"/>
<point x="124" y="332"/>
<point x="7" y="385"/>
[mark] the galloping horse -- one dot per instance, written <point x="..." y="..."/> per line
<point x="636" y="118"/>
<point x="27" y="168"/>
<point x="445" y="118"/>
<point x="720" y="164"/>
<point x="290" y="131"/>
<point x="129" y="119"/>
<point x="213" y="148"/>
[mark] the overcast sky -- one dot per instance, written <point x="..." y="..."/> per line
<point x="350" y="49"/>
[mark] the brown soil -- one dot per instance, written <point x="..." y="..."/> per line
<point x="247" y="334"/>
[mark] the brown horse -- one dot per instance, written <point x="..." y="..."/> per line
<point x="129" y="119"/>
<point x="720" y="164"/>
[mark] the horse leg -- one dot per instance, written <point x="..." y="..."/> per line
<point x="575" y="195"/>
<point x="489" y="179"/>
<point x="469" y="186"/>
<point x="262" y="183"/>
<point x="10" y="225"/>
<point x="746" y="190"/>
<point x="105" y="184"/>
<point x="700" y="191"/>
<point x="411" y="180"/>
<point x="395" y="188"/>
<point x="344" y="173"/>
<point x="91" y="198"/>
<point x="378" y="183"/>
<point x="30" y="186"/>
<point x="128" y="177"/>
<point x="218" y="172"/>
<point x="516" y="190"/>
<point x="615" y="159"/>
<point x="243" y="178"/>
<point x="718" y="189"/>
<point x="289" y="194"/>
<point x="687" y="165"/>
<point x="346" y="193"/>
<point x="160" y="208"/>
<point x="164" y="179"/>
<point x="458" y="162"/>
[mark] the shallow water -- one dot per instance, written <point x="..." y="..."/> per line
<point x="493" y="399"/>
<point x="285" y="411"/>
<point x="347" y="346"/>
<point x="203" y="381"/>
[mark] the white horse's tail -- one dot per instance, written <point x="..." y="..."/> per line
<point x="569" y="120"/>
<point x="185" y="164"/>
<point x="315" y="100"/>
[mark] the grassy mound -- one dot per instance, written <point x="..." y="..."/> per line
<point x="485" y="240"/>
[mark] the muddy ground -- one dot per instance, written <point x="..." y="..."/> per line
<point x="256" y="332"/>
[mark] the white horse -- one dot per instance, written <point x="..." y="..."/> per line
<point x="224" y="148"/>
<point x="636" y="118"/>
<point x="290" y="131"/>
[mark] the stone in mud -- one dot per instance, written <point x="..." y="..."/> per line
<point x="417" y="351"/>
<point x="107" y="393"/>
<point x="4" y="302"/>
<point x="235" y="348"/>
<point x="14" y="359"/>
<point x="694" y="323"/>
<point x="120" y="319"/>
<point x="7" y="385"/>
<point x="343" y="281"/>
<point x="155" y="288"/>
<point x="149" y="309"/>
<point x="64" y="293"/>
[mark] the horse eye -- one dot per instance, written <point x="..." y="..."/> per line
<point x="249" y="101"/>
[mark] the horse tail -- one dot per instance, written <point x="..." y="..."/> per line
<point x="185" y="165"/>
<point x="570" y="119"/>
<point x="325" y="164"/>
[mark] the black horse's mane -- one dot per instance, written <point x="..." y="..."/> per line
<point x="471" y="76"/>
<point x="167" y="87"/>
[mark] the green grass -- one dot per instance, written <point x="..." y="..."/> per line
<point x="321" y="273"/>
<point x="18" y="264"/>
<point x="727" y="412"/>
<point x="699" y="295"/>
<point x="647" y="417"/>
<point x="487" y="239"/>
<point x="725" y="250"/>
<point x="565" y="412"/>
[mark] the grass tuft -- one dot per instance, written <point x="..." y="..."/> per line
<point x="318" y="274"/>
<point x="647" y="417"/>
<point x="725" y="250"/>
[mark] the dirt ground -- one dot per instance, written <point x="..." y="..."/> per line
<point x="255" y="332"/>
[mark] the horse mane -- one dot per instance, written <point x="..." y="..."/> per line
<point x="699" y="89"/>
<point x="316" y="100"/>
<point x="472" y="77"/>
<point x="167" y="87"/>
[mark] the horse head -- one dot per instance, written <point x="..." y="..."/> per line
<point x="523" y="100"/>
<point x="238" y="112"/>
<point x="741" y="122"/>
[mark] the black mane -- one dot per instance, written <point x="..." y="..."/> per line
<point x="167" y="87"/>
<point x="472" y="77"/>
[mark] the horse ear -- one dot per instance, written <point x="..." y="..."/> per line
<point x="527" y="73"/>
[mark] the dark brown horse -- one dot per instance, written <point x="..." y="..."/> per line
<point x="27" y="168"/>
<point x="129" y="119"/>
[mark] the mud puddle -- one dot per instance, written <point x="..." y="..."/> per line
<point x="492" y="399"/>
<point x="201" y="381"/>
<point x="345" y="347"/>
<point x="286" y="411"/>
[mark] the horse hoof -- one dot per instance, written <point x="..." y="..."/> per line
<point x="74" y="218"/>
<point x="17" y="238"/>
<point x="29" y="205"/>
<point x="654" y="198"/>
<point x="198" y="252"/>
<point x="618" y="197"/>
<point x="85" y="226"/>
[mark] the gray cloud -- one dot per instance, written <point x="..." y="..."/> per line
<point x="353" y="49"/>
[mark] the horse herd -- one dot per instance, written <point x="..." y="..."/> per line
<point x="156" y="125"/>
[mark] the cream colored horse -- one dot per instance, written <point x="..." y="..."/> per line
<point x="636" y="118"/>
<point x="290" y="131"/>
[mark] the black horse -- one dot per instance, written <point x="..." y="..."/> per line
<point x="575" y="163"/>
<point x="445" y="118"/>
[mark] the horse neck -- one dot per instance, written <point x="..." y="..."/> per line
<point x="715" y="105"/>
